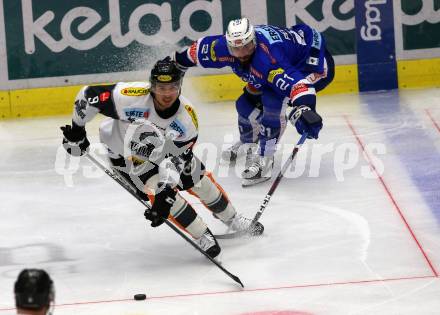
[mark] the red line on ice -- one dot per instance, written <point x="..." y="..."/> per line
<point x="436" y="125"/>
<point x="311" y="285"/>
<point x="390" y="195"/>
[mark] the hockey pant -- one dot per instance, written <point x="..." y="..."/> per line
<point x="264" y="122"/>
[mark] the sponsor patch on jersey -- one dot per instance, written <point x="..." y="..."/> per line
<point x="271" y="34"/>
<point x="193" y="115"/>
<point x="133" y="91"/>
<point x="297" y="89"/>
<point x="212" y="51"/>
<point x="104" y="96"/>
<point x="226" y="59"/>
<point x="316" y="43"/>
<point x="273" y="73"/>
<point x="164" y="78"/>
<point x="177" y="125"/>
<point x="137" y="112"/>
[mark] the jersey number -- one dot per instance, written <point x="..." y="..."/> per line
<point x="205" y="49"/>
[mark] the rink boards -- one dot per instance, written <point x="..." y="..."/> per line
<point x="209" y="88"/>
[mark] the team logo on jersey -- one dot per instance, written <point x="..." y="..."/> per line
<point x="273" y="73"/>
<point x="213" y="56"/>
<point x="133" y="91"/>
<point x="134" y="113"/>
<point x="164" y="78"/>
<point x="193" y="115"/>
<point x="104" y="96"/>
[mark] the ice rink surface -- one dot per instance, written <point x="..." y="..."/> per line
<point x="354" y="228"/>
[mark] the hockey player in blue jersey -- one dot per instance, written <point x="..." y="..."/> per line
<point x="283" y="67"/>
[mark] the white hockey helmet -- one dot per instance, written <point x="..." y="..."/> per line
<point x="239" y="33"/>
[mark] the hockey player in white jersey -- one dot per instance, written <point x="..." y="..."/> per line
<point x="149" y="133"/>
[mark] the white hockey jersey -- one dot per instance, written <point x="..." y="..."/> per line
<point x="131" y="112"/>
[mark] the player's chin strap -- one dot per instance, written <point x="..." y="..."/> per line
<point x="269" y="194"/>
<point x="117" y="178"/>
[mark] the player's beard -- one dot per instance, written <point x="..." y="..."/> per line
<point x="246" y="60"/>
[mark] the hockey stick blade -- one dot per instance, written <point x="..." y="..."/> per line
<point x="228" y="236"/>
<point x="117" y="178"/>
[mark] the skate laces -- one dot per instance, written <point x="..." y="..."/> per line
<point x="254" y="168"/>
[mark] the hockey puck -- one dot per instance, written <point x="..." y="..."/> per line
<point x="140" y="297"/>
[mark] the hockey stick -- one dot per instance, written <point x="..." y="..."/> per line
<point x="132" y="191"/>
<point x="269" y="194"/>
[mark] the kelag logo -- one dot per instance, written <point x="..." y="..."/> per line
<point x="68" y="39"/>
<point x="372" y="30"/>
<point x="375" y="45"/>
<point x="87" y="19"/>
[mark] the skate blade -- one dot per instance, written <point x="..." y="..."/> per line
<point x="250" y="182"/>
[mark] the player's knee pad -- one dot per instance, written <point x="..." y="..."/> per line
<point x="214" y="198"/>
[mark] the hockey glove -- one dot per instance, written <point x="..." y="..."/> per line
<point x="163" y="201"/>
<point x="306" y="120"/>
<point x="75" y="141"/>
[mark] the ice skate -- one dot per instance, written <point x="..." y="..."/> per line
<point x="259" y="171"/>
<point x="209" y="244"/>
<point x="240" y="223"/>
<point x="239" y="148"/>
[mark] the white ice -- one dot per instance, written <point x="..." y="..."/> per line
<point x="338" y="239"/>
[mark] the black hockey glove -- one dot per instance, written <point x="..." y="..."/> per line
<point x="75" y="141"/>
<point x="163" y="201"/>
<point x="306" y="120"/>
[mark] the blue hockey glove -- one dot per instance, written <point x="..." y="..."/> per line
<point x="306" y="120"/>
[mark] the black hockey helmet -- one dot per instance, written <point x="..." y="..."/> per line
<point x="34" y="289"/>
<point x="166" y="71"/>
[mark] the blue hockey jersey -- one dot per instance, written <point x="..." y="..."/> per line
<point x="283" y="57"/>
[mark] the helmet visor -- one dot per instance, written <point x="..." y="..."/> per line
<point x="242" y="51"/>
<point x="166" y="88"/>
